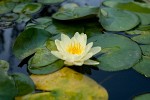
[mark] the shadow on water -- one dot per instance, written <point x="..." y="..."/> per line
<point x="122" y="85"/>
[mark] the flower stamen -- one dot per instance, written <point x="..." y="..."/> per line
<point x="75" y="48"/>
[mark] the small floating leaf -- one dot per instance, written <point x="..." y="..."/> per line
<point x="52" y="67"/>
<point x="142" y="37"/>
<point x="143" y="66"/>
<point x="9" y="17"/>
<point x="117" y="20"/>
<point x="46" y="2"/>
<point x="145" y="50"/>
<point x="118" y="52"/>
<point x="6" y="6"/>
<point x="42" y="57"/>
<point x="76" y="13"/>
<point x="145" y="96"/>
<point x="27" y="8"/>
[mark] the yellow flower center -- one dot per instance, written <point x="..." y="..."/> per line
<point x="75" y="48"/>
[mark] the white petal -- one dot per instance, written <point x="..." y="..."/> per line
<point x="79" y="63"/>
<point x="65" y="38"/>
<point x="87" y="49"/>
<point x="95" y="50"/>
<point x="68" y="63"/>
<point x="87" y="56"/>
<point x="57" y="54"/>
<point x="91" y="62"/>
<point x="58" y="45"/>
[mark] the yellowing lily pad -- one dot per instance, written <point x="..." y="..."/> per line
<point x="66" y="84"/>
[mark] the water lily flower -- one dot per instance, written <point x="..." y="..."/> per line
<point x="75" y="50"/>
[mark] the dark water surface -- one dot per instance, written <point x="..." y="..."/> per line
<point x="122" y="85"/>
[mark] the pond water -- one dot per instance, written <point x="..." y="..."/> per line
<point x="122" y="85"/>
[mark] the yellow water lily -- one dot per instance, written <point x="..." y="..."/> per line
<point x="75" y="50"/>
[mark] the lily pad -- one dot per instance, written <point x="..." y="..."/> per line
<point x="145" y="96"/>
<point x="118" y="52"/>
<point x="144" y="18"/>
<point x="23" y="18"/>
<point x="4" y="66"/>
<point x="117" y="20"/>
<point x="7" y="84"/>
<point x="27" y="8"/>
<point x="9" y="17"/>
<point x="145" y="50"/>
<point x="46" y="2"/>
<point x="144" y="27"/>
<point x="6" y="6"/>
<point x="143" y="66"/>
<point x="28" y="41"/>
<point x="23" y="84"/>
<point x="52" y="67"/>
<point x="76" y="13"/>
<point x="42" y="57"/>
<point x="142" y="37"/>
<point x="130" y="6"/>
<point x="69" y="85"/>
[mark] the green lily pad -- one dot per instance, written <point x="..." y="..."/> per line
<point x="7" y="84"/>
<point x="144" y="27"/>
<point x="76" y="13"/>
<point x="131" y="6"/>
<point x="23" y="18"/>
<point x="28" y="41"/>
<point x="4" y="66"/>
<point x="145" y="96"/>
<point x="52" y="67"/>
<point x="66" y="84"/>
<point x="143" y="66"/>
<point x="27" y="8"/>
<point x="117" y="20"/>
<point x="42" y="57"/>
<point x="118" y="52"/>
<point x="6" y="6"/>
<point x="50" y="1"/>
<point x="9" y="17"/>
<point x="68" y="6"/>
<point x="40" y="23"/>
<point x="144" y="18"/>
<point x="145" y="50"/>
<point x="66" y="28"/>
<point x="142" y="37"/>
<point x="23" y="84"/>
